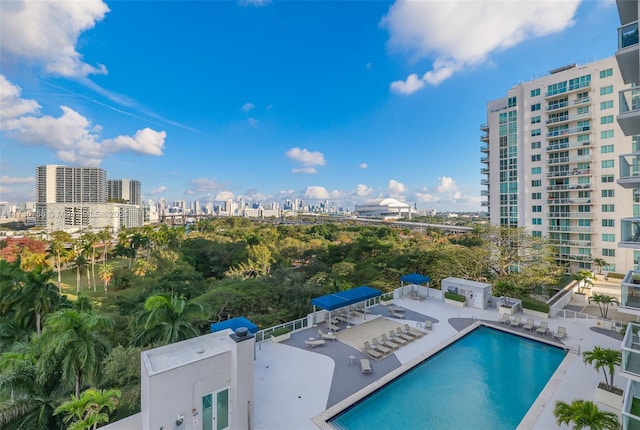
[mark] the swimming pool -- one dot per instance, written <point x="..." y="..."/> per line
<point x="487" y="379"/>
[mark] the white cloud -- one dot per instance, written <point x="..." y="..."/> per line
<point x="305" y="170"/>
<point x="317" y="192"/>
<point x="205" y="186"/>
<point x="71" y="135"/>
<point x="459" y="34"/>
<point x="363" y="165"/>
<point x="369" y="66"/>
<point x="256" y="3"/>
<point x="8" y="180"/>
<point x="252" y="122"/>
<point x="46" y="33"/>
<point x="409" y="86"/>
<point x="363" y="190"/>
<point x="447" y="185"/>
<point x="161" y="189"/>
<point x="248" y="106"/>
<point x="427" y="198"/>
<point x="395" y="188"/>
<point x="223" y="196"/>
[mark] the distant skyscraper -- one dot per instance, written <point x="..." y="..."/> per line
<point x="125" y="189"/>
<point x="62" y="184"/>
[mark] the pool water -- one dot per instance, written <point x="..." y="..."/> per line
<point x="488" y="379"/>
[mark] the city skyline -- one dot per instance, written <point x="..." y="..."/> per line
<point x="272" y="101"/>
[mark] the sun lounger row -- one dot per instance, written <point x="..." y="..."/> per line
<point x="383" y="345"/>
<point x="542" y="328"/>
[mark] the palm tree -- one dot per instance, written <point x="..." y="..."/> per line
<point x="80" y="263"/>
<point x="72" y="342"/>
<point x="605" y="359"/>
<point x="585" y="414"/>
<point x="87" y="411"/>
<point x="599" y="263"/>
<point x="166" y="320"/>
<point x="59" y="253"/>
<point x="39" y="295"/>
<point x="584" y="278"/>
<point x="91" y="241"/>
<point x="106" y="274"/>
<point x="603" y="302"/>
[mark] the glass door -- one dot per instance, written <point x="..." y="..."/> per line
<point x="215" y="416"/>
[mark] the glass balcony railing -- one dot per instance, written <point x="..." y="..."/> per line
<point x="629" y="166"/>
<point x="628" y="35"/>
<point x="631" y="404"/>
<point x="631" y="351"/>
<point x="630" y="100"/>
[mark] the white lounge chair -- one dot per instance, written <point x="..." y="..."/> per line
<point x="544" y="328"/>
<point x="327" y="336"/>
<point x="412" y="331"/>
<point x="428" y="325"/>
<point x="505" y="319"/>
<point x="515" y="322"/>
<point x="561" y="333"/>
<point x="373" y="353"/>
<point x="365" y="366"/>
<point x="397" y="338"/>
<point x="401" y="334"/>
<point x="390" y="342"/>
<point x="380" y="347"/>
<point x="396" y="314"/>
<point x="529" y="324"/>
<point x="314" y="343"/>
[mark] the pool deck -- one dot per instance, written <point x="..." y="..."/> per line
<point x="294" y="383"/>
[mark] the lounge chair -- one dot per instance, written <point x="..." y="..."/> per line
<point x="401" y="334"/>
<point x="365" y="366"/>
<point x="380" y="347"/>
<point x="561" y="333"/>
<point x="314" y="343"/>
<point x="373" y="353"/>
<point x="544" y="328"/>
<point x="428" y="325"/>
<point x="396" y="314"/>
<point x="342" y="318"/>
<point x="516" y="321"/>
<point x="412" y="331"/>
<point x="390" y="342"/>
<point x="399" y="310"/>
<point x="505" y="319"/>
<point x="397" y="338"/>
<point x="327" y="336"/>
<point x="529" y="324"/>
<point x="332" y="327"/>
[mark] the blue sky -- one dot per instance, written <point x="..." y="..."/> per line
<point x="336" y="100"/>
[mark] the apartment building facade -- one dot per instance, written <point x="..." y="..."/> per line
<point x="550" y="149"/>
<point x="128" y="190"/>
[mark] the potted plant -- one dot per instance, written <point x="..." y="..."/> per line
<point x="280" y="334"/>
<point x="603" y="302"/>
<point x="585" y="281"/>
<point x="454" y="299"/>
<point x="535" y="308"/>
<point x="507" y="290"/>
<point x="606" y="359"/>
<point x="585" y="414"/>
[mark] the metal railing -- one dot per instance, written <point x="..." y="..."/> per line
<point x="295" y="325"/>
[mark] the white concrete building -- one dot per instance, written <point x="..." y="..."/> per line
<point x="384" y="209"/>
<point x="129" y="190"/>
<point x="551" y="149"/>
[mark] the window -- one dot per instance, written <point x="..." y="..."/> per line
<point x="608" y="222"/>
<point x="536" y="233"/>
<point x="607" y="178"/>
<point x="535" y="92"/>
<point x="535" y="157"/>
<point x="535" y="119"/>
<point x="536" y="170"/>
<point x="607" y="193"/>
<point x="608" y="208"/>
<point x="536" y="196"/>
<point x="536" y="221"/>
<point x="535" y="132"/>
<point x="608" y="252"/>
<point x="582" y="110"/>
<point x="536" y="208"/>
<point x="606" y="149"/>
<point x="606" y="134"/>
<point x="536" y="183"/>
<point x="606" y="164"/>
<point x="606" y="105"/>
<point x="581" y="82"/>
<point x="535" y="145"/>
<point x="606" y="119"/>
<point x="606" y="73"/>
<point x="511" y="102"/>
<point x="535" y="107"/>
<point x="606" y="90"/>
<point x="608" y="237"/>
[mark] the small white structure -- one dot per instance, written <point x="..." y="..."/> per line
<point x="477" y="293"/>
<point x="384" y="209"/>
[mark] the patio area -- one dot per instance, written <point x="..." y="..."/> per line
<point x="309" y="380"/>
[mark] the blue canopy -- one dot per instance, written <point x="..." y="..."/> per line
<point x="345" y="298"/>
<point x="415" y="278"/>
<point x="234" y="324"/>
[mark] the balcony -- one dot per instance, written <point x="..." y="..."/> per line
<point x="573" y="257"/>
<point x="484" y="138"/>
<point x="629" y="115"/>
<point x="484" y="127"/>
<point x="484" y="171"/>
<point x="484" y="192"/>
<point x="629" y="233"/>
<point x="627" y="54"/>
<point x="584" y="86"/>
<point x="485" y="160"/>
<point x="582" y="101"/>
<point x="630" y="367"/>
<point x="484" y="203"/>
<point x="569" y="229"/>
<point x="570" y="215"/>
<point x="574" y="243"/>
<point x="484" y="148"/>
<point x="571" y="159"/>
<point x="570" y="131"/>
<point x="576" y="144"/>
<point x="629" y="171"/>
<point x="567" y="118"/>
<point x="631" y="404"/>
<point x="484" y="182"/>
<point x="567" y="172"/>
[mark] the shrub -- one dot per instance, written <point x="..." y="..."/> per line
<point x="616" y="275"/>
<point x="280" y="331"/>
<point x="535" y="305"/>
<point x="454" y="296"/>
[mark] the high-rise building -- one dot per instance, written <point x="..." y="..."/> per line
<point x="551" y="146"/>
<point x="128" y="190"/>
<point x="63" y="184"/>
